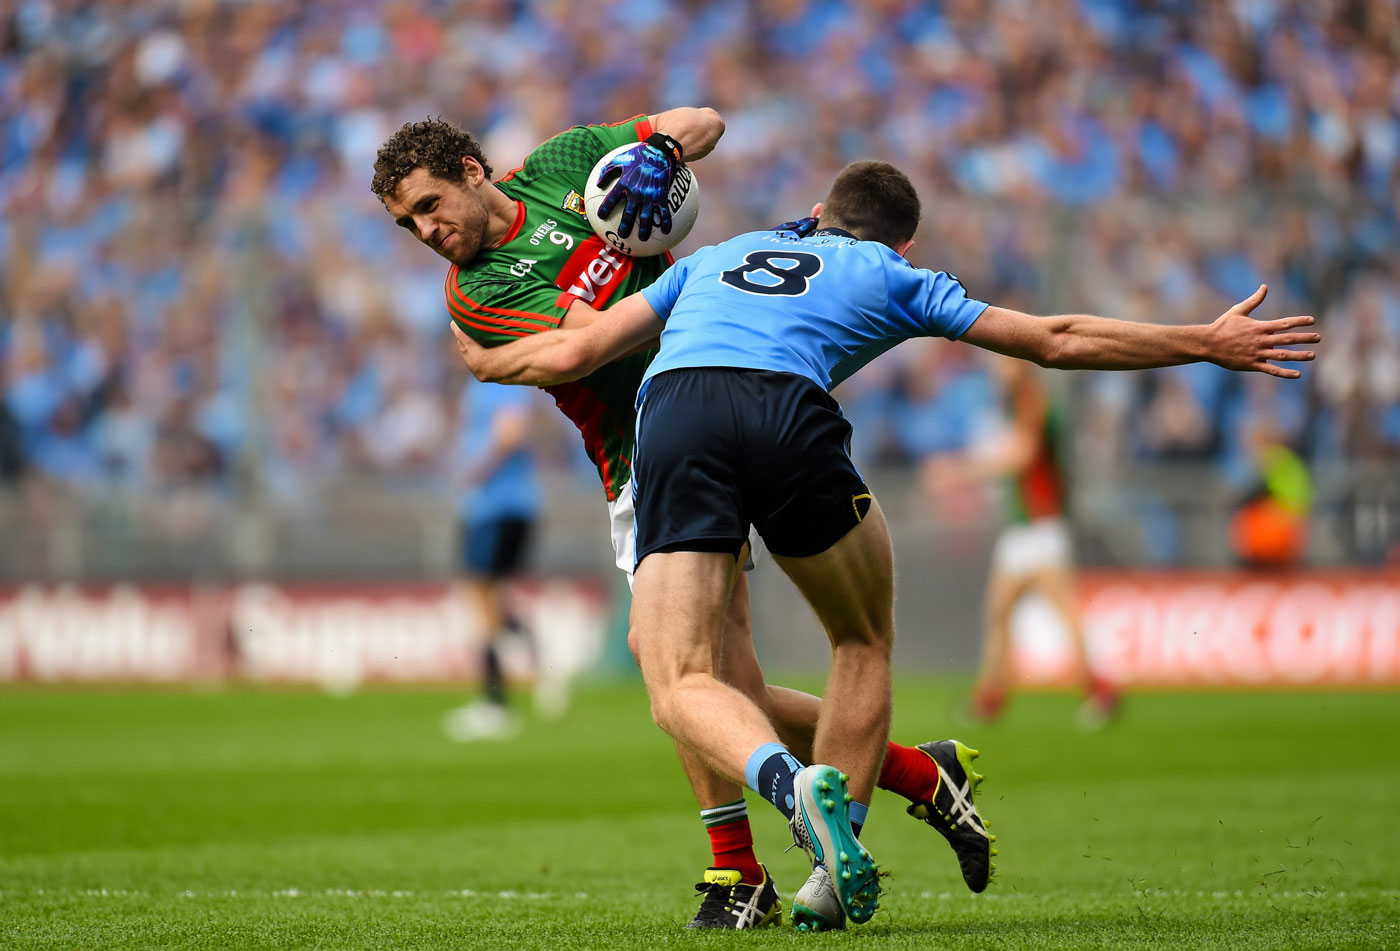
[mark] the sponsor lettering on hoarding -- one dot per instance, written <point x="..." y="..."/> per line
<point x="335" y="637"/>
<point x="123" y="633"/>
<point x="1186" y="631"/>
<point x="1174" y="630"/>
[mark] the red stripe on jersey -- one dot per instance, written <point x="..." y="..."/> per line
<point x="454" y="292"/>
<point x="586" y="411"/>
<point x="592" y="274"/>
<point x="1041" y="489"/>
<point x="467" y="305"/>
<point x="492" y="324"/>
<point x="516" y="225"/>
<point x="642" y="118"/>
<point x="467" y="321"/>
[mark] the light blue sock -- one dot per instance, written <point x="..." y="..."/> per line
<point x="859" y="810"/>
<point x="769" y="772"/>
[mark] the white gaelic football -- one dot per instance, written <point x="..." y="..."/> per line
<point x="684" y="199"/>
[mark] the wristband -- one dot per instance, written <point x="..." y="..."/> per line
<point x="667" y="145"/>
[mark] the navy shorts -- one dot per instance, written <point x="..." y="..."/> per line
<point x="720" y="449"/>
<point x="495" y="548"/>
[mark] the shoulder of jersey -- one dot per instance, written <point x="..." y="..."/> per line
<point x="480" y="278"/>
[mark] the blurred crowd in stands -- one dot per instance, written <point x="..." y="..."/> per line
<point x="197" y="286"/>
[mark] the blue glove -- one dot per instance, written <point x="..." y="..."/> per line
<point x="644" y="180"/>
<point x="801" y="227"/>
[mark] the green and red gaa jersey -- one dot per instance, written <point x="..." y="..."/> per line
<point x="1040" y="491"/>
<point x="549" y="259"/>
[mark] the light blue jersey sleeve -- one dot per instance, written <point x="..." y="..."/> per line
<point x="917" y="303"/>
<point x="663" y="292"/>
<point x="933" y="300"/>
<point x="821" y="306"/>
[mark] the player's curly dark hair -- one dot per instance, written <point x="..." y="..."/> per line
<point x="873" y="201"/>
<point x="433" y="144"/>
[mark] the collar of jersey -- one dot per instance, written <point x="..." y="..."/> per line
<point x="514" y="228"/>
<point x="833" y="232"/>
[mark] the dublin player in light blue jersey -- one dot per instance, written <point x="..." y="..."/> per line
<point x="498" y="506"/>
<point x="736" y="428"/>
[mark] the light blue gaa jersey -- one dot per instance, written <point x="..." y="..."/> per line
<point x="821" y="306"/>
<point x="511" y="489"/>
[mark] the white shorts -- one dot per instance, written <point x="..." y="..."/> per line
<point x="624" y="536"/>
<point x="1027" y="547"/>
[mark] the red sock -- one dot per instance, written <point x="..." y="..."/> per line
<point x="1101" y="687"/>
<point x="732" y="844"/>
<point x="910" y="772"/>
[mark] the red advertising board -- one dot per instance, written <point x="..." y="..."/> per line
<point x="1143" y="629"/>
<point x="1224" y="629"/>
<point x="338" y="635"/>
<point x="119" y="633"/>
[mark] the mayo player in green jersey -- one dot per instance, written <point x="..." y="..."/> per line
<point x="524" y="260"/>
<point x="1034" y="553"/>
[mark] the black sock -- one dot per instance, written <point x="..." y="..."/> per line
<point x="494" y="680"/>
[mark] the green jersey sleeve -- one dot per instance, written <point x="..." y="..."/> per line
<point x="578" y="149"/>
<point x="516" y="308"/>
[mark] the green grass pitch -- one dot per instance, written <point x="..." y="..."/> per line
<point x="284" y="819"/>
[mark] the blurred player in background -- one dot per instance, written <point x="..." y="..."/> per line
<point x="1034" y="552"/>
<point x="499" y="506"/>
<point x="524" y="260"/>
<point x="736" y="429"/>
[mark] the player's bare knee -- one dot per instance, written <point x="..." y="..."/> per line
<point x="660" y="710"/>
<point x="668" y="700"/>
<point x="633" y="645"/>
<point x="660" y="692"/>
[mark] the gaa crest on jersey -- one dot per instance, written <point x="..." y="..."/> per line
<point x="574" y="202"/>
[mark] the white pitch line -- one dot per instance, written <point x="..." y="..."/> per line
<point x="486" y="895"/>
<point x="1217" y="894"/>
<point x="514" y="895"/>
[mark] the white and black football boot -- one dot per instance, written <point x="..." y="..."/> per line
<point x="730" y="903"/>
<point x="954" y="814"/>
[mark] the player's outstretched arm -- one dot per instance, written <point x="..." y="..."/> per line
<point x="562" y="355"/>
<point x="1235" y="340"/>
<point x="696" y="128"/>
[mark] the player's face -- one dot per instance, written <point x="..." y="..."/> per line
<point x="449" y="217"/>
